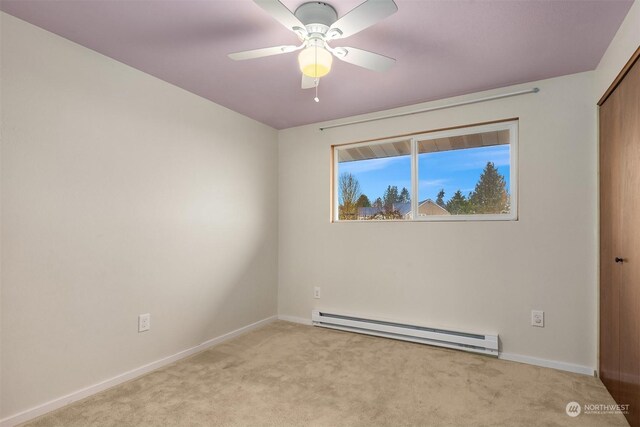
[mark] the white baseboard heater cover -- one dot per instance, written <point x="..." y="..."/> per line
<point x="476" y="343"/>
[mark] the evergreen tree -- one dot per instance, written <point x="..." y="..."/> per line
<point x="390" y="197"/>
<point x="404" y="196"/>
<point x="440" y="199"/>
<point x="490" y="195"/>
<point x="378" y="203"/>
<point x="458" y="204"/>
<point x="363" y="202"/>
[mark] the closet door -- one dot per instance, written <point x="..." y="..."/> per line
<point x="620" y="243"/>
<point x="629" y="92"/>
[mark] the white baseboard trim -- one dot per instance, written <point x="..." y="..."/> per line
<point x="545" y="363"/>
<point x="294" y="319"/>
<point x="529" y="360"/>
<point x="54" y="404"/>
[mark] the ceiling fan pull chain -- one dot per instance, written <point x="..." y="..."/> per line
<point x="316" y="73"/>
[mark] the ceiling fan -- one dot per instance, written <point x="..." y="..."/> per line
<point x="316" y="24"/>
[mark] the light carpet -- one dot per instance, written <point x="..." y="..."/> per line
<point x="286" y="374"/>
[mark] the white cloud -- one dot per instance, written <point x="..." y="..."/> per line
<point x="364" y="166"/>
<point x="430" y="183"/>
<point x="478" y="160"/>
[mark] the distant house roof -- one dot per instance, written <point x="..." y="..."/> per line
<point x="429" y="207"/>
<point x="402" y="208"/>
<point x="425" y="207"/>
<point x="368" y="212"/>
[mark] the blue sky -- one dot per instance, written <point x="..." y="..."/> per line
<point x="451" y="170"/>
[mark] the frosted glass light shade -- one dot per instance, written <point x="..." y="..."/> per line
<point x="315" y="61"/>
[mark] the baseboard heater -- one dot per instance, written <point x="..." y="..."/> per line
<point x="476" y="343"/>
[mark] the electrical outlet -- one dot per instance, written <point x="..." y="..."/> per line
<point x="144" y="322"/>
<point x="316" y="292"/>
<point x="537" y="318"/>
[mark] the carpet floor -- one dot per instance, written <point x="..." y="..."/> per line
<point x="286" y="374"/>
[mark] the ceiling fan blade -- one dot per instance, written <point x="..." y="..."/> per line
<point x="364" y="58"/>
<point x="259" y="53"/>
<point x="365" y="15"/>
<point x="308" y="82"/>
<point x="283" y="15"/>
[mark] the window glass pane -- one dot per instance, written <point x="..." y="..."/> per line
<point x="374" y="181"/>
<point x="465" y="174"/>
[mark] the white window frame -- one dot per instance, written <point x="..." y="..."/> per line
<point x="511" y="125"/>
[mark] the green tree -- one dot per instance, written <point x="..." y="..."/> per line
<point x="440" y="199"/>
<point x="490" y="195"/>
<point x="458" y="204"/>
<point x="363" y="201"/>
<point x="379" y="204"/>
<point x="349" y="193"/>
<point x="404" y="196"/>
<point x="390" y="197"/>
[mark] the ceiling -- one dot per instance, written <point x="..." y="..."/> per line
<point x="443" y="48"/>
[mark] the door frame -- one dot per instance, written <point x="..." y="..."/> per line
<point x="621" y="75"/>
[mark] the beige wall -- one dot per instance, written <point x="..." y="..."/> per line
<point x="625" y="42"/>
<point x="121" y="194"/>
<point x="477" y="276"/>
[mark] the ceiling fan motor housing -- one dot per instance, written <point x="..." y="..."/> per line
<point x="316" y="16"/>
<point x="316" y="24"/>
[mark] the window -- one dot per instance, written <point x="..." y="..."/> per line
<point x="451" y="175"/>
<point x="374" y="181"/>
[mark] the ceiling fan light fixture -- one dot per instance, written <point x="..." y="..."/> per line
<point x="315" y="61"/>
